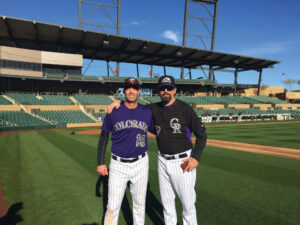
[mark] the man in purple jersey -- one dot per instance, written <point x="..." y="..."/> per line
<point x="174" y="121"/>
<point x="129" y="160"/>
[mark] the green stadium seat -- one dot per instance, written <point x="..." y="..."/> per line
<point x="65" y="116"/>
<point x="4" y="101"/>
<point x="93" y="99"/>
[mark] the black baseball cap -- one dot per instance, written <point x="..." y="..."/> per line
<point x="132" y="82"/>
<point x="165" y="81"/>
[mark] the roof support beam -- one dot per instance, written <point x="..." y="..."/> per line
<point x="167" y="56"/>
<point x="183" y="58"/>
<point x="79" y="47"/>
<point x="137" y="71"/>
<point x="259" y="82"/>
<point x="235" y="80"/>
<point x="10" y="33"/>
<point x="151" y="55"/>
<point x="37" y="38"/>
<point x="119" y="50"/>
<point x="135" y="53"/>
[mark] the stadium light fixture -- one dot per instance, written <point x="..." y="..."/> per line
<point x="105" y="43"/>
<point x="179" y="53"/>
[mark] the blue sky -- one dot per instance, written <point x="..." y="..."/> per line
<point x="258" y="28"/>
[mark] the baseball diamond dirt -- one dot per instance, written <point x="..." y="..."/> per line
<point x="260" y="149"/>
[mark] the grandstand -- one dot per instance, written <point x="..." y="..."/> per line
<point x="4" y="101"/>
<point x="19" y="119"/>
<point x="61" y="117"/>
<point x="42" y="91"/>
<point x="85" y="109"/>
<point x="32" y="99"/>
<point x="93" y="99"/>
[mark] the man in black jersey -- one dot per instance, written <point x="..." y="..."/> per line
<point x="174" y="121"/>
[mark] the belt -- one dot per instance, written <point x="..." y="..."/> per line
<point x="170" y="157"/>
<point x="126" y="160"/>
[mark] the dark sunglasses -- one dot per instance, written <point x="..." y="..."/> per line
<point x="162" y="88"/>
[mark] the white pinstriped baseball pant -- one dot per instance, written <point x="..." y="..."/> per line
<point x="119" y="174"/>
<point x="173" y="181"/>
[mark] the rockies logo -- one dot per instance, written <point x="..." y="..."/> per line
<point x="176" y="126"/>
<point x="157" y="130"/>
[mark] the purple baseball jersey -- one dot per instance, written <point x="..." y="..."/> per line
<point x="128" y="129"/>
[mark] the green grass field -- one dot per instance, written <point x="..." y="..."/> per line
<point x="281" y="134"/>
<point x="49" y="177"/>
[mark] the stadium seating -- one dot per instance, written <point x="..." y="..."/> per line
<point x="20" y="118"/>
<point x="55" y="75"/>
<point x="31" y="99"/>
<point x="90" y="78"/>
<point x="140" y="100"/>
<point x="266" y="100"/>
<point x="25" y="99"/>
<point x="93" y="99"/>
<point x="56" y="100"/>
<point x="153" y="80"/>
<point x="65" y="116"/>
<point x="193" y="81"/>
<point x="152" y="99"/>
<point x="96" y="115"/>
<point x="4" y="101"/>
<point x="74" y="76"/>
<point x="119" y="79"/>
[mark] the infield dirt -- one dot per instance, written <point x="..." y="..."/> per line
<point x="260" y="149"/>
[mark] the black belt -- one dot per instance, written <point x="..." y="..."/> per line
<point x="184" y="155"/>
<point x="127" y="160"/>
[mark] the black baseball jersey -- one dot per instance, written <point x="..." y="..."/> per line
<point x="174" y="125"/>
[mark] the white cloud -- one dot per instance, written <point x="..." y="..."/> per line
<point x="265" y="49"/>
<point x="171" y="35"/>
<point x="135" y="23"/>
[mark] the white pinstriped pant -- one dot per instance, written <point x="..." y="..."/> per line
<point x="173" y="181"/>
<point x="119" y="174"/>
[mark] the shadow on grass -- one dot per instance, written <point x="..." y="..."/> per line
<point x="154" y="209"/>
<point x="125" y="207"/>
<point x="12" y="218"/>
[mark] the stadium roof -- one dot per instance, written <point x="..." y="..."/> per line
<point x="100" y="46"/>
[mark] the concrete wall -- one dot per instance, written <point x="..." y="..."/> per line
<point x="95" y="107"/>
<point x="64" y="59"/>
<point x="10" y="108"/>
<point x="26" y="73"/>
<point x="70" y="125"/>
<point x="20" y="54"/>
<point x="52" y="107"/>
<point x="264" y="91"/>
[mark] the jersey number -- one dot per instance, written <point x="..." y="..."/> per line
<point x="140" y="140"/>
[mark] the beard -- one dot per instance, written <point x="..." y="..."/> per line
<point x="165" y="99"/>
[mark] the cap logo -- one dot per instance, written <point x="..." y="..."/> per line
<point x="166" y="80"/>
<point x="131" y="80"/>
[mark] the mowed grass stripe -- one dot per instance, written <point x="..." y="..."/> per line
<point x="281" y="135"/>
<point x="86" y="155"/>
<point x="50" y="177"/>
<point x="10" y="166"/>
<point x="235" y="187"/>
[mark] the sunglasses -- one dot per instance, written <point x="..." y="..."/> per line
<point x="162" y="88"/>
